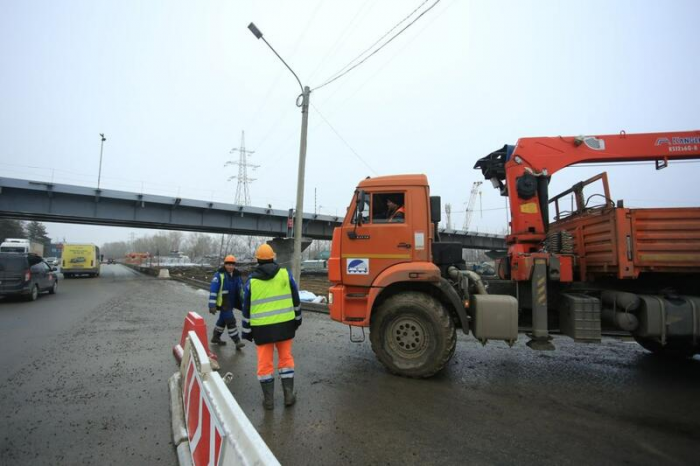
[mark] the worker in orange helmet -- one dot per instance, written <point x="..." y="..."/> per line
<point x="225" y="296"/>
<point x="271" y="316"/>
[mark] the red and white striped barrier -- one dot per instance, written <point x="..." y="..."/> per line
<point x="194" y="322"/>
<point x="216" y="431"/>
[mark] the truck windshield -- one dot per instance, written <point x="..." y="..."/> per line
<point x="10" y="263"/>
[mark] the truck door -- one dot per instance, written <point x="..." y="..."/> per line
<point x="383" y="238"/>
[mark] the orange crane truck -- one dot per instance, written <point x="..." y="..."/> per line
<point x="583" y="269"/>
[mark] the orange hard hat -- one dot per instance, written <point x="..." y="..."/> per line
<point x="265" y="253"/>
<point x="230" y="259"/>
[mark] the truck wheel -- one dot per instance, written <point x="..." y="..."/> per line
<point x="413" y="335"/>
<point x="34" y="295"/>
<point x="672" y="349"/>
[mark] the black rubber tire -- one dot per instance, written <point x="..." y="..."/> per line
<point x="54" y="288"/>
<point x="672" y="349"/>
<point x="413" y="335"/>
<point x="34" y="295"/>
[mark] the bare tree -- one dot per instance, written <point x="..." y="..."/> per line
<point x="199" y="245"/>
<point x="176" y="239"/>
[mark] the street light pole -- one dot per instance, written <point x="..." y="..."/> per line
<point x="99" y="174"/>
<point x="304" y="104"/>
<point x="298" y="220"/>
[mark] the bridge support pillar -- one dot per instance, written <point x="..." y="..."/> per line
<point x="284" y="247"/>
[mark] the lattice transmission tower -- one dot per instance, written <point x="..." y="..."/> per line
<point x="242" y="188"/>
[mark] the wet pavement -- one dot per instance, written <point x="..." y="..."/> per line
<point x="582" y="404"/>
<point x="84" y="381"/>
<point x="83" y="373"/>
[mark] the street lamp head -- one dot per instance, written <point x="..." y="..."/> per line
<point x="102" y="135"/>
<point x="256" y="32"/>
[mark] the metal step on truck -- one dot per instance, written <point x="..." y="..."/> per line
<point x="575" y="262"/>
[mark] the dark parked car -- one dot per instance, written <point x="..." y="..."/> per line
<point x="26" y="275"/>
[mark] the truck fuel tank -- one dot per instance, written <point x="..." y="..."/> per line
<point x="495" y="317"/>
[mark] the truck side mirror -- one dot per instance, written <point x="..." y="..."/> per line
<point x="435" y="209"/>
<point x="360" y="201"/>
<point x="360" y="206"/>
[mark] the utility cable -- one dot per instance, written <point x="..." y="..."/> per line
<point x="338" y="76"/>
<point x="344" y="141"/>
<point x="340" y="38"/>
<point x="406" y="44"/>
<point x="381" y="38"/>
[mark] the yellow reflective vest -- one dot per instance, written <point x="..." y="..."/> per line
<point x="271" y="300"/>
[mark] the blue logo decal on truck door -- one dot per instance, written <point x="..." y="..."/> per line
<point x="358" y="267"/>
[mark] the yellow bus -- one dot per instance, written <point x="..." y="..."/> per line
<point x="80" y="259"/>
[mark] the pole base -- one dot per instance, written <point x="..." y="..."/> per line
<point x="541" y="344"/>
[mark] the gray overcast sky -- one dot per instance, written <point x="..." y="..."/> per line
<point x="173" y="84"/>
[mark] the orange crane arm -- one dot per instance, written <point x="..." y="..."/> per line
<point x="527" y="167"/>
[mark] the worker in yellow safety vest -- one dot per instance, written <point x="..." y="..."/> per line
<point x="271" y="316"/>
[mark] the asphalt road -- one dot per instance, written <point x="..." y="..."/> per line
<point x="83" y="373"/>
<point x="84" y="381"/>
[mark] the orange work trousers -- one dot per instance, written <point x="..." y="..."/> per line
<point x="285" y="362"/>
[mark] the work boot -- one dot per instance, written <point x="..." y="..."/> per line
<point x="216" y="339"/>
<point x="239" y="343"/>
<point x="268" y="388"/>
<point x="288" y="387"/>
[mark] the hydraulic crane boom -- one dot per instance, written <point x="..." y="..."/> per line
<point x="527" y="167"/>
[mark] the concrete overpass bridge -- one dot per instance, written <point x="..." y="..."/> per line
<point x="51" y="202"/>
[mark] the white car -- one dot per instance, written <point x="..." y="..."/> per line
<point x="52" y="261"/>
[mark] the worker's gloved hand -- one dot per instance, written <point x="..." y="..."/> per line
<point x="297" y="323"/>
<point x="212" y="310"/>
<point x="248" y="336"/>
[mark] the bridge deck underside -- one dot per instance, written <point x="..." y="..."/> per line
<point x="73" y="204"/>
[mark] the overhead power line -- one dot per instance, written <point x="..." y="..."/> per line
<point x="339" y="75"/>
<point x="380" y="39"/>
<point x="343" y="139"/>
<point x="359" y="16"/>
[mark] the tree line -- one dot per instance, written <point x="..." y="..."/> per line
<point x="33" y="231"/>
<point x="199" y="247"/>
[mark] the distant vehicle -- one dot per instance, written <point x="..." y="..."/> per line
<point x="314" y="266"/>
<point x="22" y="245"/>
<point x="80" y="259"/>
<point x="110" y="261"/>
<point x="26" y="275"/>
<point x="52" y="261"/>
